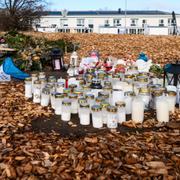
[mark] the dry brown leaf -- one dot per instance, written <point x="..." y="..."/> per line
<point x="91" y="140"/>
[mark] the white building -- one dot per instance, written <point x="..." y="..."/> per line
<point x="115" y="22"/>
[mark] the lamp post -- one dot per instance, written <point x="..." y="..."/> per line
<point x="125" y="15"/>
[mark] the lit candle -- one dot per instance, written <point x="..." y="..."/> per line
<point x="138" y="110"/>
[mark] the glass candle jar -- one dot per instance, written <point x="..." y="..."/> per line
<point x="90" y="99"/>
<point x="121" y="114"/>
<point x="43" y="83"/>
<point x="72" y="87"/>
<point x="112" y="117"/>
<point x="115" y="81"/>
<point x="34" y="78"/>
<point x="45" y="97"/>
<point x="86" y="88"/>
<point x="138" y="110"/>
<point x="97" y="116"/>
<point x="142" y="81"/>
<point x="66" y="92"/>
<point x="96" y="87"/>
<point x="37" y="92"/>
<point x="156" y="94"/>
<point x="58" y="103"/>
<point x="104" y="95"/>
<point x="99" y="100"/>
<point x="104" y="106"/>
<point x="171" y="99"/>
<point x="117" y="95"/>
<point x="28" y="88"/>
<point x="107" y="83"/>
<point x="144" y="94"/>
<point x="52" y="79"/>
<point x="84" y="114"/>
<point x="128" y="101"/>
<point x="79" y="92"/>
<point x="42" y="75"/>
<point x="108" y="89"/>
<point x="52" y="99"/>
<point x="60" y="87"/>
<point x="66" y="110"/>
<point x="74" y="103"/>
<point x="81" y="101"/>
<point x="162" y="110"/>
<point x="129" y="78"/>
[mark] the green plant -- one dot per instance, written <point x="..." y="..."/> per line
<point x="156" y="70"/>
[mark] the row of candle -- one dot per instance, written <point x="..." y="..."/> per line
<point x="107" y="106"/>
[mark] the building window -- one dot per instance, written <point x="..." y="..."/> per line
<point x="134" y="22"/>
<point x="117" y="22"/>
<point x="106" y="23"/>
<point x="144" y="22"/>
<point x="80" y="22"/>
<point x="161" y="22"/>
<point x="170" y="22"/>
<point x="63" y="22"/>
<point x="53" y="25"/>
<point x="132" y="31"/>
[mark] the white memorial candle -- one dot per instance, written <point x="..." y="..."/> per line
<point x="138" y="110"/>
<point x="128" y="102"/>
<point x="28" y="88"/>
<point x="162" y="110"/>
<point x="45" y="97"/>
<point x="84" y="114"/>
<point x="66" y="110"/>
<point x="171" y="99"/>
<point x="97" y="117"/>
<point x="37" y="92"/>
<point x="117" y="95"/>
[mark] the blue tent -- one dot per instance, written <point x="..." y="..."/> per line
<point x="10" y="69"/>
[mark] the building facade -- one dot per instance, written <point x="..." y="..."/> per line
<point x="113" y="22"/>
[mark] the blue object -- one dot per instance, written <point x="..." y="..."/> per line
<point x="10" y="69"/>
<point x="143" y="57"/>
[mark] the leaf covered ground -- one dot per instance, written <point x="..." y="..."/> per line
<point x="29" y="155"/>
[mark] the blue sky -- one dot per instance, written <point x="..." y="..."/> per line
<point x="166" y="5"/>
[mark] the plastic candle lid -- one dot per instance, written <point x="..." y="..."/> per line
<point x="112" y="109"/>
<point x="59" y="95"/>
<point x="66" y="103"/>
<point x="84" y="105"/>
<point x="120" y="104"/>
<point x="96" y="108"/>
<point x="28" y="79"/>
<point x="90" y="96"/>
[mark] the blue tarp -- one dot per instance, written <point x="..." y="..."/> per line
<point x="10" y="69"/>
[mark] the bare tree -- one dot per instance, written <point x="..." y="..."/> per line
<point x="20" y="14"/>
